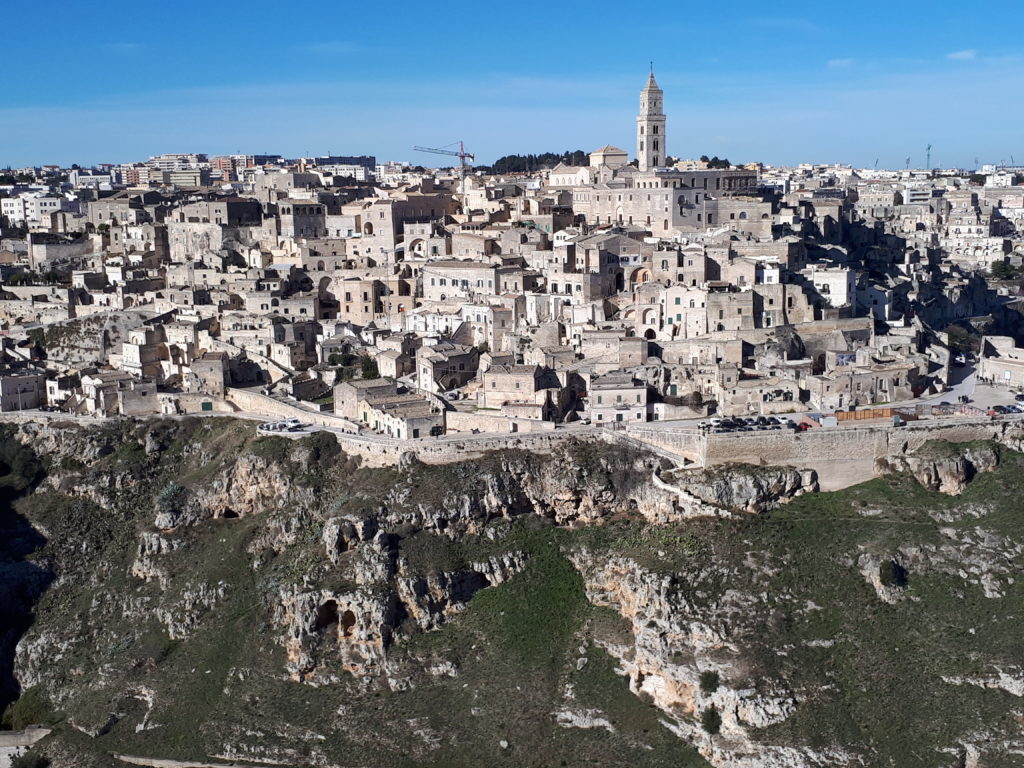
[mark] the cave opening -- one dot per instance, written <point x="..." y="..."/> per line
<point x="348" y="621"/>
<point x="327" y="618"/>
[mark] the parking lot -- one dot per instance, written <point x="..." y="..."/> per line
<point x="748" y="424"/>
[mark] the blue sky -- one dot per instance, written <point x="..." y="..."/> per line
<point x="114" y="81"/>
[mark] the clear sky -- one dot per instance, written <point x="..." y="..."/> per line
<point x="114" y="81"/>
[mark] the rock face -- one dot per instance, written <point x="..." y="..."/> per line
<point x="323" y="627"/>
<point x="742" y="488"/>
<point x="673" y="640"/>
<point x="949" y="468"/>
<point x="189" y="559"/>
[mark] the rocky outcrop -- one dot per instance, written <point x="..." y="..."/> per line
<point x="673" y="639"/>
<point x="977" y="556"/>
<point x="329" y="631"/>
<point x="946" y="468"/>
<point x="744" y="488"/>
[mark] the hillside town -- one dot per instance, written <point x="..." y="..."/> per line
<point x="409" y="302"/>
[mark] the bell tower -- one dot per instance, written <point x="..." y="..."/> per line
<point x="650" y="126"/>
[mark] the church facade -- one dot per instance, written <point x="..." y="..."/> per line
<point x="661" y="198"/>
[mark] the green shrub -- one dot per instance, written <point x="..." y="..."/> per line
<point x="19" y="465"/>
<point x="30" y="760"/>
<point x="323" y="445"/>
<point x="170" y="499"/>
<point x="368" y="367"/>
<point x="711" y="720"/>
<point x="709" y="681"/>
<point x="31" y="708"/>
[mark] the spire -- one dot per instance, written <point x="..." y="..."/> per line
<point x="652" y="84"/>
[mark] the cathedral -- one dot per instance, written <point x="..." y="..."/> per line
<point x="659" y="197"/>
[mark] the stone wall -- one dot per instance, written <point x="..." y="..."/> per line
<point x="256" y="402"/>
<point x="467" y="421"/>
<point x="687" y="442"/>
<point x="13" y="744"/>
<point x="844" y="456"/>
<point x="192" y="402"/>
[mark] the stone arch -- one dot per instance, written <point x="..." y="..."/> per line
<point x="320" y="267"/>
<point x="640" y="275"/>
<point x="367" y="228"/>
<point x="743" y="214"/>
<point x="649" y="334"/>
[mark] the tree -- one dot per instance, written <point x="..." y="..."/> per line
<point x="711" y="720"/>
<point x="527" y="163"/>
<point x="369" y="367"/>
<point x="1000" y="270"/>
<point x="709" y="681"/>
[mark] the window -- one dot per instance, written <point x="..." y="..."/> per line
<point x="680" y="301"/>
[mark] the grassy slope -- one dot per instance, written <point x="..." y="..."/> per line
<point x="517" y="644"/>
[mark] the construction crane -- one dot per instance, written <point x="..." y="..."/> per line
<point x="462" y="154"/>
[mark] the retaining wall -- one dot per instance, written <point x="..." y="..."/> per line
<point x="843" y="456"/>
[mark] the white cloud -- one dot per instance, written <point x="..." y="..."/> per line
<point x="966" y="55"/>
<point x="840" y="63"/>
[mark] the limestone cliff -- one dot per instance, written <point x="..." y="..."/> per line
<point x="213" y="595"/>
<point x="946" y="468"/>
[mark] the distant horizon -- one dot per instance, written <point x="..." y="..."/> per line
<point x="818" y="86"/>
<point x="472" y="166"/>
